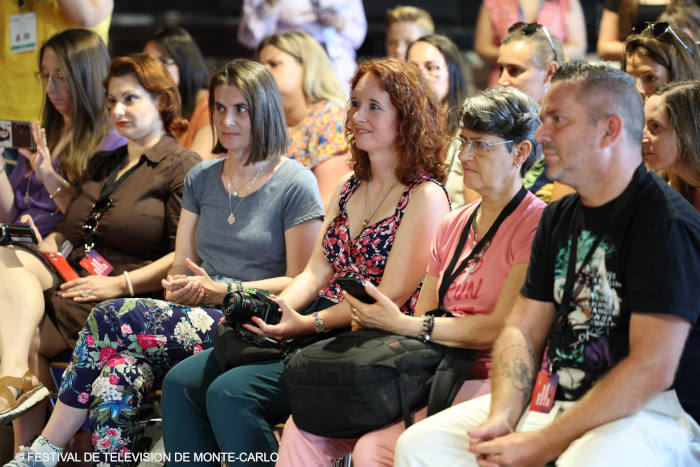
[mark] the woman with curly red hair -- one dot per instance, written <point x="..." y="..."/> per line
<point x="378" y="228"/>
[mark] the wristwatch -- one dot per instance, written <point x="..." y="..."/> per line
<point x="318" y="322"/>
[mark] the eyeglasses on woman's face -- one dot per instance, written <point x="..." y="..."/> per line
<point x="476" y="146"/>
<point x="46" y="79"/>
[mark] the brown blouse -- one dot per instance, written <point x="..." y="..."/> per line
<point x="137" y="229"/>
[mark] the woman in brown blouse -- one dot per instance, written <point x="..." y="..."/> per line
<point x="126" y="212"/>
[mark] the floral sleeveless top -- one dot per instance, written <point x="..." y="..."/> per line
<point x="364" y="257"/>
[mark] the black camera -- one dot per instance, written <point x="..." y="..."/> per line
<point x="240" y="307"/>
<point x="16" y="234"/>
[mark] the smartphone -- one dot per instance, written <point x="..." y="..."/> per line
<point x="61" y="266"/>
<point x="15" y="134"/>
<point x="356" y="288"/>
<point x="16" y="234"/>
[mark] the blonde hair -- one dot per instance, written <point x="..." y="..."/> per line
<point x="319" y="80"/>
<point x="411" y="14"/>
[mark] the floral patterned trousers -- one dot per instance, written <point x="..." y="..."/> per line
<point x="125" y="348"/>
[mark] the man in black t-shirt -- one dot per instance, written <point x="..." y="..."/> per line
<point x="615" y="324"/>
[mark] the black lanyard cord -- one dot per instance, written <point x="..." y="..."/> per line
<point x="559" y="325"/>
<point x="451" y="273"/>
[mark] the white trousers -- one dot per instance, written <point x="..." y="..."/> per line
<point x="660" y="434"/>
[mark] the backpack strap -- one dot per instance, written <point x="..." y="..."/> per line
<point x="451" y="373"/>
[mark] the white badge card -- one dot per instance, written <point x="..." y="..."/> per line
<point x="23" y="32"/>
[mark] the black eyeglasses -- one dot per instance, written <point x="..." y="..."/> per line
<point x="93" y="220"/>
<point x="659" y="29"/>
<point x="529" y="29"/>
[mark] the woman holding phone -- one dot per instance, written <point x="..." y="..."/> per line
<point x="74" y="125"/>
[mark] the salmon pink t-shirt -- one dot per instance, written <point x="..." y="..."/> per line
<point x="479" y="293"/>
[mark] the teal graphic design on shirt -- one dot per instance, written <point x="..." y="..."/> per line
<point x="583" y="354"/>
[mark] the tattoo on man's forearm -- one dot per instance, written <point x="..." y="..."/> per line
<point x="516" y="363"/>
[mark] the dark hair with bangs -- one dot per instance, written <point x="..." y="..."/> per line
<point x="422" y="136"/>
<point x="507" y="113"/>
<point x="269" y="136"/>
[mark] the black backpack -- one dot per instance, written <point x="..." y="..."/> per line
<point x="360" y="381"/>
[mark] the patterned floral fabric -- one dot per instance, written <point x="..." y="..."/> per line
<point x="320" y="135"/>
<point x="122" y="352"/>
<point x="364" y="256"/>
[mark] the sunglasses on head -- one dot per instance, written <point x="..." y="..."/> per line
<point x="529" y="29"/>
<point x="659" y="29"/>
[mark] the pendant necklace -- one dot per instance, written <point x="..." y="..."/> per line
<point x="368" y="216"/>
<point x="231" y="217"/>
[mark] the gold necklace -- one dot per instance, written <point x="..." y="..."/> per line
<point x="368" y="216"/>
<point x="231" y="217"/>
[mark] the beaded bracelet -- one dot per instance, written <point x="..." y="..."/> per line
<point x="426" y="328"/>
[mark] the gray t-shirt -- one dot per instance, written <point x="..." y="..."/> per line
<point x="253" y="247"/>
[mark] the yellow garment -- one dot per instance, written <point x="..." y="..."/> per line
<point x="21" y="94"/>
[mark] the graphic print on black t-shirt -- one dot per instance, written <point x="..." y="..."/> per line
<point x="584" y="351"/>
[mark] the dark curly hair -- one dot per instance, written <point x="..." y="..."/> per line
<point x="422" y="137"/>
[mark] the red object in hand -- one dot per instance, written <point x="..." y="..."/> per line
<point x="61" y="266"/>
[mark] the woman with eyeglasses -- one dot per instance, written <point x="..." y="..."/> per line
<point x="74" y="126"/>
<point x="249" y="220"/>
<point x="177" y="50"/>
<point x="563" y="18"/>
<point x="660" y="54"/>
<point x="121" y="226"/>
<point x="671" y="141"/>
<point x="497" y="147"/>
<point x="441" y="63"/>
<point x="314" y="105"/>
